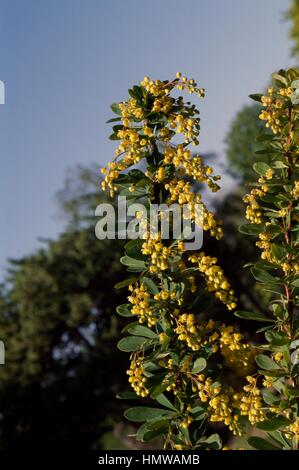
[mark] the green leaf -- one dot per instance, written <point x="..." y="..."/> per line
<point x="142" y="430"/>
<point x="279" y="165"/>
<point x="117" y="119"/>
<point x="138" y="92"/>
<point x="250" y="229"/>
<point x="132" y="262"/>
<point x="198" y="413"/>
<point x="264" y="137"/>
<point x="276" y="338"/>
<point x="117" y="128"/>
<point x="163" y="400"/>
<point x="273" y="373"/>
<point x="124" y="310"/>
<point x="140" y="330"/>
<point x="115" y="108"/>
<point x="125" y="283"/>
<point x="277" y="251"/>
<point x="261" y="444"/>
<point x="280" y="78"/>
<point x="262" y="275"/>
<point x="265" y="362"/>
<point x="269" y="397"/>
<point x="199" y="365"/>
<point x="266" y="151"/>
<point x="212" y="442"/>
<point x="295" y="283"/>
<point x="274" y="423"/>
<point x="256" y="97"/>
<point x="151" y="429"/>
<point x="127" y="396"/>
<point x="252" y="316"/>
<point x="261" y="168"/>
<point x="150" y="285"/>
<point x="131" y="93"/>
<point x="264" y="265"/>
<point x="144" y="413"/>
<point x="294" y="344"/>
<point x="136" y="174"/>
<point x="135" y="252"/>
<point x="113" y="136"/>
<point x="278" y="437"/>
<point x="130" y="343"/>
<point x="158" y="390"/>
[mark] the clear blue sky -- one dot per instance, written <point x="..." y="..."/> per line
<point x="64" y="62"/>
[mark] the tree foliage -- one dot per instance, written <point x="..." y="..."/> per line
<point x="56" y="319"/>
<point x="241" y="143"/>
<point x="293" y="16"/>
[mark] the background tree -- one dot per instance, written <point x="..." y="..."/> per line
<point x="293" y="16"/>
<point x="57" y="388"/>
<point x="241" y="143"/>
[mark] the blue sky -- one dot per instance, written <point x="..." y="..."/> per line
<point x="64" y="61"/>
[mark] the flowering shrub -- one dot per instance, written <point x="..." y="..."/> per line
<point x="273" y="213"/>
<point x="179" y="356"/>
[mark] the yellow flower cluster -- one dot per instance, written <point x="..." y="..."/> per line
<point x="193" y="166"/>
<point x="223" y="338"/>
<point x="272" y="104"/>
<point x="192" y="282"/>
<point x="162" y="104"/>
<point x="113" y="169"/>
<point x="187" y="330"/>
<point x="139" y="298"/>
<point x="268" y="382"/>
<point x="158" y="252"/>
<point x="137" y="378"/>
<point x="295" y="191"/>
<point x="111" y="173"/>
<point x="251" y="402"/>
<point x="234" y="350"/>
<point x="253" y="211"/>
<point x="197" y="335"/>
<point x="294" y="429"/>
<point x="230" y="339"/>
<point x="130" y="110"/>
<point x="160" y="88"/>
<point x="132" y="143"/>
<point x="187" y="420"/>
<point x="165" y="295"/>
<point x="289" y="267"/>
<point x="216" y="281"/>
<point x="181" y="192"/>
<point x="221" y="404"/>
<point x="134" y="140"/>
<point x="187" y="126"/>
<point x="222" y="411"/>
<point x="206" y="388"/>
<point x="265" y="245"/>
